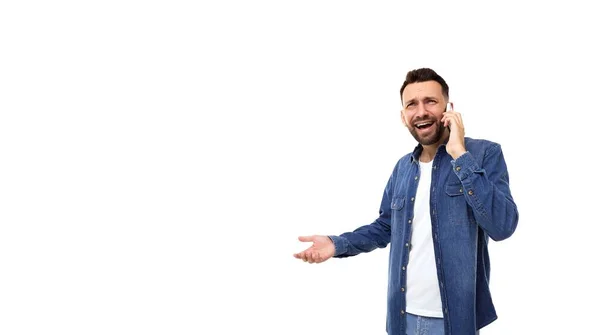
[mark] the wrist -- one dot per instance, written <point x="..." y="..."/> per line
<point x="457" y="153"/>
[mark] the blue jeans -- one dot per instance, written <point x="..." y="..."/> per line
<point x="423" y="325"/>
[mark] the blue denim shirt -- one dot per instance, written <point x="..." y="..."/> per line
<point x="470" y="201"/>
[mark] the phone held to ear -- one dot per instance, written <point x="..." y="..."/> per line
<point x="449" y="107"/>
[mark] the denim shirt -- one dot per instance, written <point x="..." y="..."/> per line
<point x="470" y="201"/>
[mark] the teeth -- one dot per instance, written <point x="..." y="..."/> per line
<point x="422" y="124"/>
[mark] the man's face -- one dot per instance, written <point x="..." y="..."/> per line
<point x="424" y="105"/>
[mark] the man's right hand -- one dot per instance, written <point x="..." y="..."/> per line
<point x="321" y="250"/>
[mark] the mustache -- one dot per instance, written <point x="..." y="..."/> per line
<point x="424" y="118"/>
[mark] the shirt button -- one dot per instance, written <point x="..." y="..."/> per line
<point x="458" y="168"/>
<point x="402" y="289"/>
<point x="446" y="310"/>
<point x="470" y="192"/>
<point x="402" y="312"/>
<point x="416" y="177"/>
<point x="412" y="199"/>
<point x="434" y="167"/>
<point x="460" y="190"/>
<point x="403" y="268"/>
<point x="406" y="245"/>
<point x="409" y="221"/>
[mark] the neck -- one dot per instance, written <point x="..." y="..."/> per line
<point x="430" y="150"/>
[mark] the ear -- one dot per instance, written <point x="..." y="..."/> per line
<point x="403" y="117"/>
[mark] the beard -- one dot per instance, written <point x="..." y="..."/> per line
<point x="433" y="137"/>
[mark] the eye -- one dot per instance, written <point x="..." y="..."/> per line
<point x="431" y="102"/>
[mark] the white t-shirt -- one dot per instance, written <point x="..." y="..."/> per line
<point x="422" y="290"/>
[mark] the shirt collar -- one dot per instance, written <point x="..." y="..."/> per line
<point x="414" y="158"/>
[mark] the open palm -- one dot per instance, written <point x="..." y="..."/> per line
<point x="321" y="250"/>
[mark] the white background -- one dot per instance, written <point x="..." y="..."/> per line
<point x="159" y="159"/>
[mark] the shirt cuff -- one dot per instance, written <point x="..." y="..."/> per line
<point x="339" y="243"/>
<point x="464" y="166"/>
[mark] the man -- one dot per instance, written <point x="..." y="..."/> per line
<point x="440" y="206"/>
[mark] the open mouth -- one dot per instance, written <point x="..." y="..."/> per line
<point x="424" y="125"/>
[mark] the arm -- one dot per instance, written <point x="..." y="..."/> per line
<point x="487" y="192"/>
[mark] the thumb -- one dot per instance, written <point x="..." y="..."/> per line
<point x="306" y="238"/>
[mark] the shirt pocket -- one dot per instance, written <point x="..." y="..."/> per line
<point x="456" y="204"/>
<point x="397" y="207"/>
<point x="454" y="190"/>
<point x="398" y="203"/>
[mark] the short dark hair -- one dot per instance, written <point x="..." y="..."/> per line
<point x="425" y="74"/>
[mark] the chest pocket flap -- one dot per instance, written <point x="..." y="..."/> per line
<point x="454" y="190"/>
<point x="397" y="203"/>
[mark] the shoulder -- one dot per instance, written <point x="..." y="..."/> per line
<point x="480" y="142"/>
<point x="404" y="161"/>
<point x="402" y="164"/>
<point x="481" y="147"/>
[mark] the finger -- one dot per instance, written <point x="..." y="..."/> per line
<point x="450" y="118"/>
<point x="446" y="121"/>
<point x="306" y="238"/>
<point x="317" y="257"/>
<point x="304" y="257"/>
<point x="314" y="256"/>
<point x="453" y="113"/>
<point x="299" y="255"/>
<point x="459" y="118"/>
<point x="455" y="119"/>
<point x="309" y="257"/>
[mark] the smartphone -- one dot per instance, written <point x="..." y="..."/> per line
<point x="449" y="107"/>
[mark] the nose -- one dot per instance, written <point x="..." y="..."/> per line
<point x="420" y="110"/>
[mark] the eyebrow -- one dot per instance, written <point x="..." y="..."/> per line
<point x="424" y="98"/>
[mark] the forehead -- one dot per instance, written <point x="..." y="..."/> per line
<point x="424" y="89"/>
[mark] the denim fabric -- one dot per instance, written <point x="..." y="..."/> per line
<point x="422" y="325"/>
<point x="470" y="202"/>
